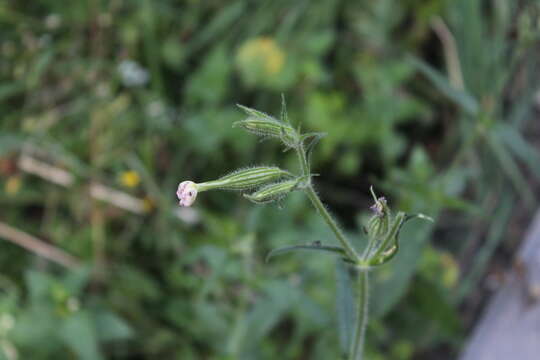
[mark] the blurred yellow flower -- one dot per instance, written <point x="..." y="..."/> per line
<point x="130" y="179"/>
<point x="148" y="204"/>
<point x="263" y="53"/>
<point x="13" y="185"/>
<point x="450" y="270"/>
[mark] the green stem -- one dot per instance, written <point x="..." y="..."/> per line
<point x="357" y="346"/>
<point x="316" y="201"/>
<point x="363" y="281"/>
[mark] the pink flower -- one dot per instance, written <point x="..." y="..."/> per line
<point x="378" y="207"/>
<point x="187" y="193"/>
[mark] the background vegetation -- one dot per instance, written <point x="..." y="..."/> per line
<point x="430" y="101"/>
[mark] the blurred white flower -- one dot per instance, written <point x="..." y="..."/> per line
<point x="53" y="21"/>
<point x="132" y="73"/>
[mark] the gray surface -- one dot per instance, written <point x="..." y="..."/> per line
<point x="510" y="327"/>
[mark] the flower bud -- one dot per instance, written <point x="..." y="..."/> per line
<point x="187" y="193"/>
<point x="379" y="222"/>
<point x="273" y="192"/>
<point x="388" y="244"/>
<point x="245" y="179"/>
<point x="263" y="125"/>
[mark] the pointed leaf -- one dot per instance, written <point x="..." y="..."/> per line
<point x="314" y="139"/>
<point x="315" y="246"/>
<point x="466" y="101"/>
<point x="520" y="147"/>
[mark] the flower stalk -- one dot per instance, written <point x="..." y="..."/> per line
<point x="357" y="345"/>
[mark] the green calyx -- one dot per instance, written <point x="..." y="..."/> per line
<point x="274" y="192"/>
<point x="387" y="245"/>
<point x="264" y="125"/>
<point x="246" y="179"/>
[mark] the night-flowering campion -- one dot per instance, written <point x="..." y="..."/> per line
<point x="270" y="183"/>
<point x="240" y="180"/>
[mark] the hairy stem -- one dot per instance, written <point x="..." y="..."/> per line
<point x="357" y="345"/>
<point x="316" y="201"/>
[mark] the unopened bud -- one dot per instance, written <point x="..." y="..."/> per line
<point x="273" y="192"/>
<point x="379" y="222"/>
<point x="264" y="125"/>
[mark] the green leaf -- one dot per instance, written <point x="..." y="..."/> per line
<point x="111" y="327"/>
<point x="511" y="169"/>
<point x="38" y="285"/>
<point x="466" y="101"/>
<point x="266" y="313"/>
<point x="314" y="139"/>
<point x="500" y="217"/>
<point x="315" y="247"/>
<point x="79" y="334"/>
<point x="520" y="147"/>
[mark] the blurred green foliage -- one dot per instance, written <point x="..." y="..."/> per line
<point x="430" y="101"/>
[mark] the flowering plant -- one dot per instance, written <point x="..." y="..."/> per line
<point x="270" y="184"/>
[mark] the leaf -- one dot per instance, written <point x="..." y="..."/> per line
<point x="216" y="26"/>
<point x="466" y="101"/>
<point x="511" y="169"/>
<point x="520" y="147"/>
<point x="314" y="137"/>
<point x="266" y="313"/>
<point x="500" y="218"/>
<point x="419" y="216"/>
<point x="110" y="327"/>
<point x="344" y="305"/>
<point x="38" y="285"/>
<point x="79" y="334"/>
<point x="315" y="246"/>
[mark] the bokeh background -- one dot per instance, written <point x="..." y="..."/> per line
<point x="105" y="106"/>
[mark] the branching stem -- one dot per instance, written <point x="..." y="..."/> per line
<point x="316" y="201"/>
<point x="357" y="344"/>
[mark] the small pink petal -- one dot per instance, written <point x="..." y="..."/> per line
<point x="186" y="193"/>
